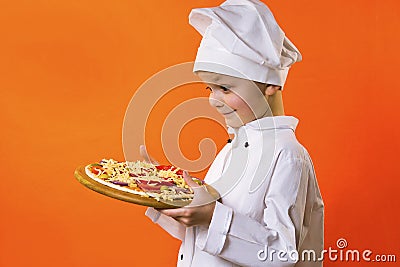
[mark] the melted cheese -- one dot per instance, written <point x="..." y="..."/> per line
<point x="120" y="171"/>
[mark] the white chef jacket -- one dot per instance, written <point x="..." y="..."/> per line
<point x="261" y="223"/>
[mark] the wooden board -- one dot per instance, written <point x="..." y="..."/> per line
<point x="82" y="177"/>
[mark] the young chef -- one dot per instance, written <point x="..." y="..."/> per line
<point x="270" y="210"/>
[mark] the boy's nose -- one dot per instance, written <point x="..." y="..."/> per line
<point x="215" y="101"/>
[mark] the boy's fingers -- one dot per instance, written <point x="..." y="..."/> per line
<point x="143" y="153"/>
<point x="146" y="156"/>
<point x="188" y="179"/>
<point x="172" y="212"/>
<point x="201" y="195"/>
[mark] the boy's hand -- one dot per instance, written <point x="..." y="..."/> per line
<point x="146" y="156"/>
<point x="200" y="210"/>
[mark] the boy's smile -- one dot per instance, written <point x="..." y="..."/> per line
<point x="239" y="100"/>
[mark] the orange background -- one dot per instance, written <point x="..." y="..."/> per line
<point x="68" y="70"/>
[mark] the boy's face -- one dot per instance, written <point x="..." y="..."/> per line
<point x="238" y="100"/>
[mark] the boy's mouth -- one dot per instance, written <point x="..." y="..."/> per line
<point x="227" y="113"/>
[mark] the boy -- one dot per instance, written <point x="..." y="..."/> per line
<point x="270" y="209"/>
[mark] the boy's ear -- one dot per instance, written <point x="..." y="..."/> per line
<point x="271" y="89"/>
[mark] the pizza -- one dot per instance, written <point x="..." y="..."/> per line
<point x="161" y="182"/>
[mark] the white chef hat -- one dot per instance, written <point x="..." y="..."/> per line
<point x="242" y="39"/>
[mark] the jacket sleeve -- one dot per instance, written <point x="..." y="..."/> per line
<point x="173" y="227"/>
<point x="273" y="241"/>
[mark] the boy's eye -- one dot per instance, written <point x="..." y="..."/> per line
<point x="220" y="87"/>
<point x="224" y="88"/>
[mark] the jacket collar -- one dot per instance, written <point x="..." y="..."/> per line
<point x="269" y="123"/>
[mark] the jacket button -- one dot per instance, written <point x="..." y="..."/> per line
<point x="246" y="144"/>
<point x="181" y="257"/>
